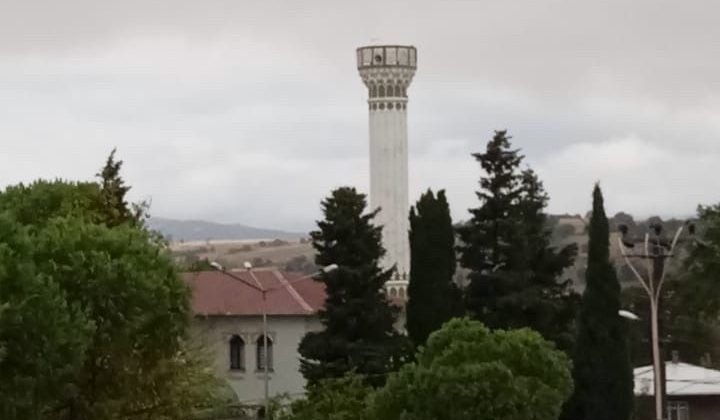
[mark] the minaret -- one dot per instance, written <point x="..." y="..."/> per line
<point x="387" y="71"/>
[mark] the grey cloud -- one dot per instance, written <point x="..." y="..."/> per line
<point x="252" y="111"/>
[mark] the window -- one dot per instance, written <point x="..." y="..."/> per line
<point x="237" y="353"/>
<point x="261" y="357"/>
<point x="678" y="410"/>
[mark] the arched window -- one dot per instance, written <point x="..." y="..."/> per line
<point x="390" y="91"/>
<point x="261" y="357"/>
<point x="373" y="90"/>
<point x="401" y="293"/>
<point x="237" y="353"/>
<point x="381" y="91"/>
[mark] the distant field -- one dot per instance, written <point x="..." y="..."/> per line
<point x="232" y="254"/>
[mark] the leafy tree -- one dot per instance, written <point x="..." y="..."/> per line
<point x="433" y="297"/>
<point x="467" y="372"/>
<point x="602" y="371"/>
<point x="106" y="336"/>
<point x="138" y="306"/>
<point x="43" y="339"/>
<point x="506" y="245"/>
<point x="358" y="320"/>
<point x="345" y="398"/>
<point x="37" y="203"/>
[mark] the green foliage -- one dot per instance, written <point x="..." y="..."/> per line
<point x="467" y="372"/>
<point x="602" y="371"/>
<point x="93" y="316"/>
<point x="701" y="288"/>
<point x="36" y="203"/>
<point x="358" y="320"/>
<point x="514" y="278"/>
<point x="345" y="398"/>
<point x="130" y="290"/>
<point x="112" y="195"/>
<point x="43" y="338"/>
<point x="433" y="296"/>
<point x="300" y="264"/>
<point x="690" y="301"/>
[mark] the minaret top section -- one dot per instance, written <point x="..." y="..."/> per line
<point x="387" y="71"/>
<point x="379" y="56"/>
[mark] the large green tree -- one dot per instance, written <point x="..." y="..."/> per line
<point x="43" y="338"/>
<point x="109" y="313"/>
<point x="358" y="333"/>
<point x="467" y="372"/>
<point x="602" y="371"/>
<point x="433" y="297"/>
<point x="515" y="273"/>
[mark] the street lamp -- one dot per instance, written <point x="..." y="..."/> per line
<point x="628" y="315"/>
<point x="655" y="249"/>
<point x="264" y="291"/>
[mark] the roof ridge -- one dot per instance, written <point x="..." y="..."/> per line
<point x="293" y="292"/>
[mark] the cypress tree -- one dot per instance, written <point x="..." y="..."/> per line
<point x="514" y="270"/>
<point x="112" y="196"/>
<point x="358" y="320"/>
<point x="433" y="298"/>
<point x="602" y="371"/>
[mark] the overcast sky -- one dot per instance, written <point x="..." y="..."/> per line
<point x="252" y="111"/>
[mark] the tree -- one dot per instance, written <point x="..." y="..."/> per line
<point x="433" y="297"/>
<point x="43" y="339"/>
<point x="506" y="245"/>
<point x="94" y="317"/>
<point x="358" y="332"/>
<point x="602" y="371"/>
<point x="112" y="194"/>
<point x="345" y="398"/>
<point x="467" y="372"/>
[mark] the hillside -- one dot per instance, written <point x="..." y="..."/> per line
<point x="231" y="245"/>
<point x="199" y="230"/>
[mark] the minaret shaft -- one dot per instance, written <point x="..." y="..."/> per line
<point x="387" y="72"/>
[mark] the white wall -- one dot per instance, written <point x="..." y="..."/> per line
<point x="286" y="331"/>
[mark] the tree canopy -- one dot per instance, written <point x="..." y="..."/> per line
<point x="94" y="317"/>
<point x="602" y="371"/>
<point x="514" y="271"/>
<point x="467" y="372"/>
<point x="358" y="320"/>
<point x="433" y="298"/>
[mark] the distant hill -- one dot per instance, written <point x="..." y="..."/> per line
<point x="199" y="230"/>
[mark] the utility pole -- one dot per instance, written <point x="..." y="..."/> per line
<point x="654" y="250"/>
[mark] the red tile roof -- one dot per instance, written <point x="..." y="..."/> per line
<point x="216" y="293"/>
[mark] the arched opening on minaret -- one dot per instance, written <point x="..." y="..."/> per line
<point x="381" y="91"/>
<point x="373" y="90"/>
<point x="390" y="91"/>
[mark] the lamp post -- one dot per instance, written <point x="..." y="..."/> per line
<point x="655" y="250"/>
<point x="264" y="291"/>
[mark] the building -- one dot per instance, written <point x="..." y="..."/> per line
<point x="228" y="322"/>
<point x="387" y="71"/>
<point x="693" y="392"/>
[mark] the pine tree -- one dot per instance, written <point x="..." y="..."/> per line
<point x="433" y="298"/>
<point x="358" y="320"/>
<point x="112" y="195"/>
<point x="506" y="245"/>
<point x="602" y="371"/>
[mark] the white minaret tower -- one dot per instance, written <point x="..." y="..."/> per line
<point x="387" y="71"/>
